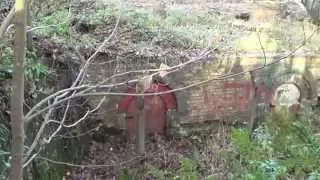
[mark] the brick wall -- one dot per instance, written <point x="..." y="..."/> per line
<point x="227" y="99"/>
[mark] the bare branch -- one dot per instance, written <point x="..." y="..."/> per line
<point x="91" y="165"/>
<point x="80" y="76"/>
<point x="32" y="158"/>
<point x="61" y="124"/>
<point x="6" y="22"/>
<point x="38" y="136"/>
<point x="81" y="134"/>
<point x="262" y="48"/>
<point x="62" y="94"/>
<point x="91" y="58"/>
<point x="48" y="140"/>
<point x="87" y="113"/>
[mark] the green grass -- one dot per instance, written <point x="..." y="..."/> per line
<point x="175" y="28"/>
<point x="178" y="28"/>
<point x="283" y="148"/>
<point x="56" y="24"/>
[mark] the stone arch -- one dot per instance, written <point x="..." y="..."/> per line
<point x="287" y="94"/>
<point x="307" y="85"/>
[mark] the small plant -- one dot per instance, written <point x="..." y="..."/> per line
<point x="97" y="17"/>
<point x="56" y="24"/>
<point x="34" y="70"/>
<point x="143" y="19"/>
<point x="187" y="171"/>
<point x="177" y="16"/>
<point x="35" y="73"/>
<point x="158" y="173"/>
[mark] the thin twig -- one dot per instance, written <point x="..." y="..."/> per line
<point x="263" y="50"/>
<point x="80" y="134"/>
<point x="80" y="76"/>
<point x="90" y="165"/>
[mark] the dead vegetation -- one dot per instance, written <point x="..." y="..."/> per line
<point x="115" y="157"/>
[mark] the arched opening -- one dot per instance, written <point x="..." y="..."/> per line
<point x="155" y="107"/>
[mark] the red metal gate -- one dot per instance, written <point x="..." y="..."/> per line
<point x="155" y="108"/>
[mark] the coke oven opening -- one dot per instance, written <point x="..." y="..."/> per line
<point x="155" y="107"/>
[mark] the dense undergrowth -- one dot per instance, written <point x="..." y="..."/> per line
<point x="36" y="76"/>
<point x="34" y="71"/>
<point x="187" y="171"/>
<point x="281" y="148"/>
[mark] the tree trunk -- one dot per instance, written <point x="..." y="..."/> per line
<point x="253" y="109"/>
<point x="140" y="121"/>
<point x="17" y="124"/>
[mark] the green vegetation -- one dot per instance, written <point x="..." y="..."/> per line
<point x="36" y="74"/>
<point x="177" y="28"/>
<point x="65" y="150"/>
<point x="4" y="152"/>
<point x="54" y="25"/>
<point x="187" y="171"/>
<point x="34" y="71"/>
<point x="282" y="148"/>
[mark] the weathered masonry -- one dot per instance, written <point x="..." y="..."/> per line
<point x="215" y="98"/>
<point x="227" y="99"/>
<point x="230" y="99"/>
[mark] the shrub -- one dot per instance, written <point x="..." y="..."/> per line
<point x="55" y="24"/>
<point x="282" y="147"/>
<point x="187" y="171"/>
